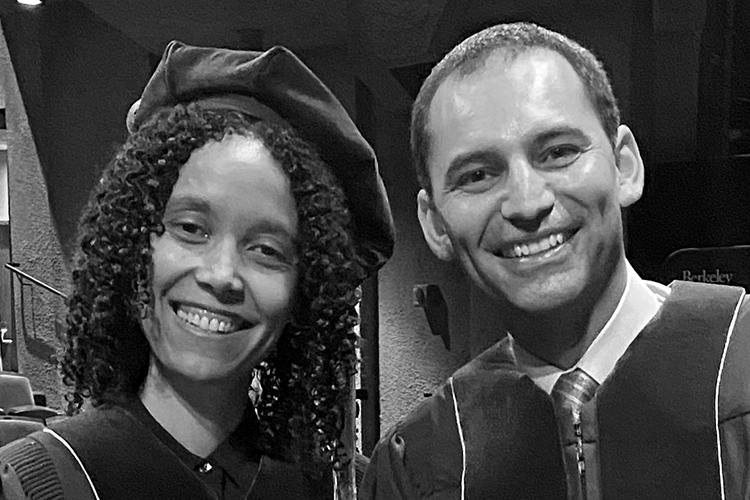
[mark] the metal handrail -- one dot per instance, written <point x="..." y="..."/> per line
<point x="12" y="267"/>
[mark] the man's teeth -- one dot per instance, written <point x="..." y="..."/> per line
<point x="205" y="323"/>
<point x="525" y="250"/>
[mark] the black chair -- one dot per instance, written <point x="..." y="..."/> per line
<point x="718" y="265"/>
<point x="19" y="415"/>
<point x="16" y="398"/>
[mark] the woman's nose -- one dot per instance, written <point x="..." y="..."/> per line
<point x="220" y="269"/>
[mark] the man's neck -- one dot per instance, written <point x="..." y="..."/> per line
<point x="563" y="335"/>
<point x="200" y="416"/>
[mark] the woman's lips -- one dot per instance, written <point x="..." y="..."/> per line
<point x="209" y="320"/>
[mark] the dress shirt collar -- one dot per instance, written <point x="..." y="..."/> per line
<point x="238" y="455"/>
<point x="639" y="303"/>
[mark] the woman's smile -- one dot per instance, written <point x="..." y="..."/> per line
<point x="210" y="320"/>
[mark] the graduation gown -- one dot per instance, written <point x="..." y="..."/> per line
<point x="670" y="422"/>
<point x="118" y="454"/>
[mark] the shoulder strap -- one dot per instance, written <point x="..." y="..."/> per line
<point x="511" y="445"/>
<point x="657" y="412"/>
<point x="32" y="467"/>
<point x="77" y="484"/>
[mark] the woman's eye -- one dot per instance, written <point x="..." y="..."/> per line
<point x="189" y="230"/>
<point x="268" y="250"/>
<point x="270" y="254"/>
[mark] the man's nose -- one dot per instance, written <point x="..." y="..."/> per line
<point x="219" y="271"/>
<point x="528" y="198"/>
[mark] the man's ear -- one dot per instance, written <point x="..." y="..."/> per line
<point x="629" y="166"/>
<point x="433" y="227"/>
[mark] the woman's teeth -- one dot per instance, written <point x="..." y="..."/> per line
<point x="207" y="323"/>
<point x="526" y="250"/>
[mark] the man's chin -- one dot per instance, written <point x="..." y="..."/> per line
<point x="543" y="300"/>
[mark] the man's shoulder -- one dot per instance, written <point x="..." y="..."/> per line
<point x="697" y="291"/>
<point x="704" y="305"/>
<point x="431" y="416"/>
<point x="438" y="411"/>
<point x="495" y="360"/>
<point x="423" y="453"/>
<point x="433" y="423"/>
<point x="419" y="455"/>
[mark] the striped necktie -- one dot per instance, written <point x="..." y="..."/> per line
<point x="569" y="394"/>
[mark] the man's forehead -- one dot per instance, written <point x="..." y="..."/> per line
<point x="535" y="68"/>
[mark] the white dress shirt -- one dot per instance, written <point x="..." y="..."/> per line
<point x="639" y="303"/>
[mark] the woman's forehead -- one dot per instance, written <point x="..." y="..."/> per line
<point x="234" y="177"/>
<point x="238" y="155"/>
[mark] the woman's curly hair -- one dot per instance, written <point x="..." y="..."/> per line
<point x="306" y="378"/>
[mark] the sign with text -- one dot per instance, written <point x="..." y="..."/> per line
<point x="718" y="265"/>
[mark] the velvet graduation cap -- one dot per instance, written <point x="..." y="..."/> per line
<point x="276" y="86"/>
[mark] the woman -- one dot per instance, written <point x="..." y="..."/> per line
<point x="223" y="245"/>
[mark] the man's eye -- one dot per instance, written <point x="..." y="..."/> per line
<point x="472" y="177"/>
<point x="561" y="156"/>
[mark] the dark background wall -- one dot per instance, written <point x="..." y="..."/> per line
<point x="72" y="69"/>
<point x="79" y="75"/>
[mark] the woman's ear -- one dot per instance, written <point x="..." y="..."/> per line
<point x="433" y="227"/>
<point x="629" y="167"/>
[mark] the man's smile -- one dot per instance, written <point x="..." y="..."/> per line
<point x="535" y="246"/>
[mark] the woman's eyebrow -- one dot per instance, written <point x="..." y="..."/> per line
<point x="273" y="226"/>
<point x="188" y="201"/>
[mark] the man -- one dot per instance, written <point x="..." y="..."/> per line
<point x="607" y="386"/>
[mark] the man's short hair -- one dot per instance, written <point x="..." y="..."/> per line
<point x="515" y="38"/>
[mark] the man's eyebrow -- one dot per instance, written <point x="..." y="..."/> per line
<point x="560" y="131"/>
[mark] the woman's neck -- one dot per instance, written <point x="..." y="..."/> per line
<point x="199" y="415"/>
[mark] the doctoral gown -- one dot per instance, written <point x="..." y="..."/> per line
<point x="672" y="421"/>
<point x="121" y="455"/>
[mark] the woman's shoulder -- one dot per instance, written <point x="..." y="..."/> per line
<point x="103" y="419"/>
